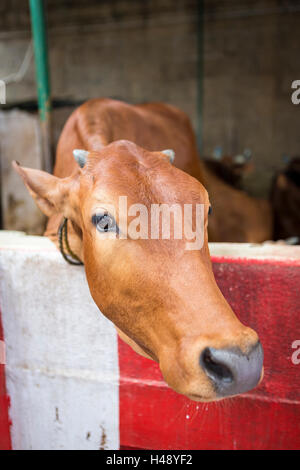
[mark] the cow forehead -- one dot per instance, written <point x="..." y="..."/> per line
<point x="121" y="159"/>
<point x="121" y="150"/>
<point x="140" y="186"/>
<point x="142" y="176"/>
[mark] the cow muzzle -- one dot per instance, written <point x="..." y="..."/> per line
<point x="232" y="372"/>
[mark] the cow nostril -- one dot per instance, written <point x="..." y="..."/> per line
<point x="231" y="371"/>
<point x="215" y="369"/>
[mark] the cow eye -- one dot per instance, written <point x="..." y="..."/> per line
<point x="209" y="210"/>
<point x="104" y="222"/>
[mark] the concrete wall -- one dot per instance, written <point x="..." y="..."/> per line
<point x="147" y="50"/>
<point x="20" y="140"/>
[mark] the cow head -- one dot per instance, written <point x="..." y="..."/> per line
<point x="161" y="296"/>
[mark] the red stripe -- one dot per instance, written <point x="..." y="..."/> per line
<point x="5" y="441"/>
<point x="265" y="296"/>
<point x="256" y="261"/>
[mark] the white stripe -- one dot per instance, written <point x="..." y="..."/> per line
<point x="62" y="354"/>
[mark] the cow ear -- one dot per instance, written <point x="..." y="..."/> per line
<point x="49" y="192"/>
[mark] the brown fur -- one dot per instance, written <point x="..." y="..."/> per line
<point x="163" y="299"/>
<point x="236" y="217"/>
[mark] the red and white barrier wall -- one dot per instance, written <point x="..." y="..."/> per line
<point x="72" y="384"/>
<point x="62" y="372"/>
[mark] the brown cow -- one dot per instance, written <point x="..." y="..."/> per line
<point x="231" y="169"/>
<point x="285" y="197"/>
<point x="236" y="217"/>
<point x="162" y="297"/>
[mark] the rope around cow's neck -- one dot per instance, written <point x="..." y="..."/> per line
<point x="70" y="257"/>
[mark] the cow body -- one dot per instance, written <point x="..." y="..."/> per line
<point x="285" y="197"/>
<point x="236" y="217"/>
<point x="161" y="296"/>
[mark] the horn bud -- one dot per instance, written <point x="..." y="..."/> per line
<point x="80" y="156"/>
<point x="170" y="153"/>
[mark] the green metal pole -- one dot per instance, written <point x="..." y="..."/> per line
<point x="200" y="73"/>
<point x="38" y="26"/>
